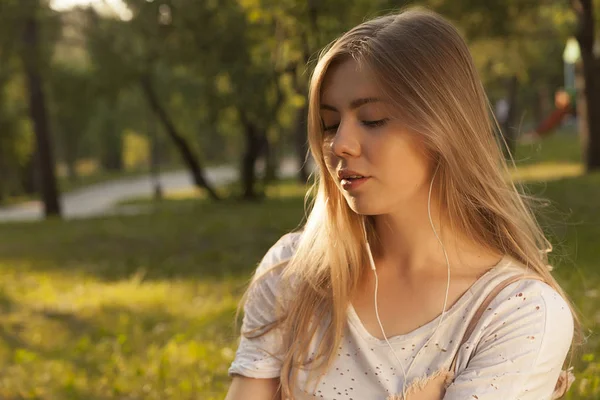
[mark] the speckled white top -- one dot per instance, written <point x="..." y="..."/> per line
<point x="515" y="352"/>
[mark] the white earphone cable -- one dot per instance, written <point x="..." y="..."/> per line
<point x="377" y="311"/>
<point x="372" y="262"/>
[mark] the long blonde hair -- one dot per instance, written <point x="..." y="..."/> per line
<point x="424" y="66"/>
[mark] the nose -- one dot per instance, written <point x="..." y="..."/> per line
<point x="346" y="142"/>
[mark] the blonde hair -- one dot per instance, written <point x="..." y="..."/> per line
<point x="424" y="67"/>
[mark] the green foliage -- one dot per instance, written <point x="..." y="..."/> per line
<point x="215" y="63"/>
<point x="71" y="106"/>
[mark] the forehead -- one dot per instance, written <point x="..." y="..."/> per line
<point x="345" y="81"/>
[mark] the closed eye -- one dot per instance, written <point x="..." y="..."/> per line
<point x="369" y="124"/>
<point x="375" y="124"/>
<point x="331" y="128"/>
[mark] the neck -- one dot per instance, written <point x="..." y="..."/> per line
<point x="406" y="239"/>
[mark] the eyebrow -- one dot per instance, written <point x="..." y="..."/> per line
<point x="353" y="104"/>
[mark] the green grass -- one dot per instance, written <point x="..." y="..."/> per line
<point x="142" y="307"/>
<point x="562" y="147"/>
<point x="556" y="157"/>
<point x="138" y="308"/>
<point x="285" y="188"/>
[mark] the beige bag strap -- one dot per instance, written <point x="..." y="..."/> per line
<point x="502" y="285"/>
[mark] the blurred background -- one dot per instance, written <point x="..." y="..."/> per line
<point x="151" y="151"/>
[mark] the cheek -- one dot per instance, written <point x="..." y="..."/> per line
<point x="413" y="164"/>
<point x="406" y="163"/>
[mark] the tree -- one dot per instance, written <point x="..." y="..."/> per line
<point x="31" y="57"/>
<point x="293" y="32"/>
<point x="131" y="52"/>
<point x="180" y="142"/>
<point x="106" y="40"/>
<point x="72" y="106"/>
<point x="586" y="34"/>
<point x="16" y="139"/>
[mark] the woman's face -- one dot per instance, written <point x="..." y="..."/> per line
<point x="378" y="164"/>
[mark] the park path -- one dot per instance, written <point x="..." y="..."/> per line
<point x="101" y="199"/>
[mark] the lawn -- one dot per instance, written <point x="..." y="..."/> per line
<point x="142" y="307"/>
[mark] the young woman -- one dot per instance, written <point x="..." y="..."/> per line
<point x="396" y="287"/>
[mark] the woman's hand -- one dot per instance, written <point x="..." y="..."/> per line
<point x="243" y="388"/>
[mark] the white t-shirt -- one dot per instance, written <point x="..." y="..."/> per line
<point x="515" y="352"/>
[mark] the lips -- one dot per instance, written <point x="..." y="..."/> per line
<point x="351" y="180"/>
<point x="350" y="174"/>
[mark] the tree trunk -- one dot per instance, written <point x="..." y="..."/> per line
<point x="155" y="157"/>
<point x="585" y="37"/>
<point x="3" y="175"/>
<point x="254" y="144"/>
<point x="542" y="104"/>
<point x="581" y="110"/>
<point x="268" y="148"/>
<point x="112" y="145"/>
<point x="39" y="116"/>
<point x="28" y="175"/>
<point x="311" y="41"/>
<point x="184" y="149"/>
<point x="271" y="161"/>
<point x="70" y="154"/>
<point x="301" y="144"/>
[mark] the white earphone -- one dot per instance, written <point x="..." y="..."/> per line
<point x="372" y="263"/>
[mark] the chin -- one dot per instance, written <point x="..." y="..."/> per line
<point x="362" y="206"/>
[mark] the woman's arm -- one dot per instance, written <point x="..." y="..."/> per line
<point x="256" y="367"/>
<point x="243" y="388"/>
